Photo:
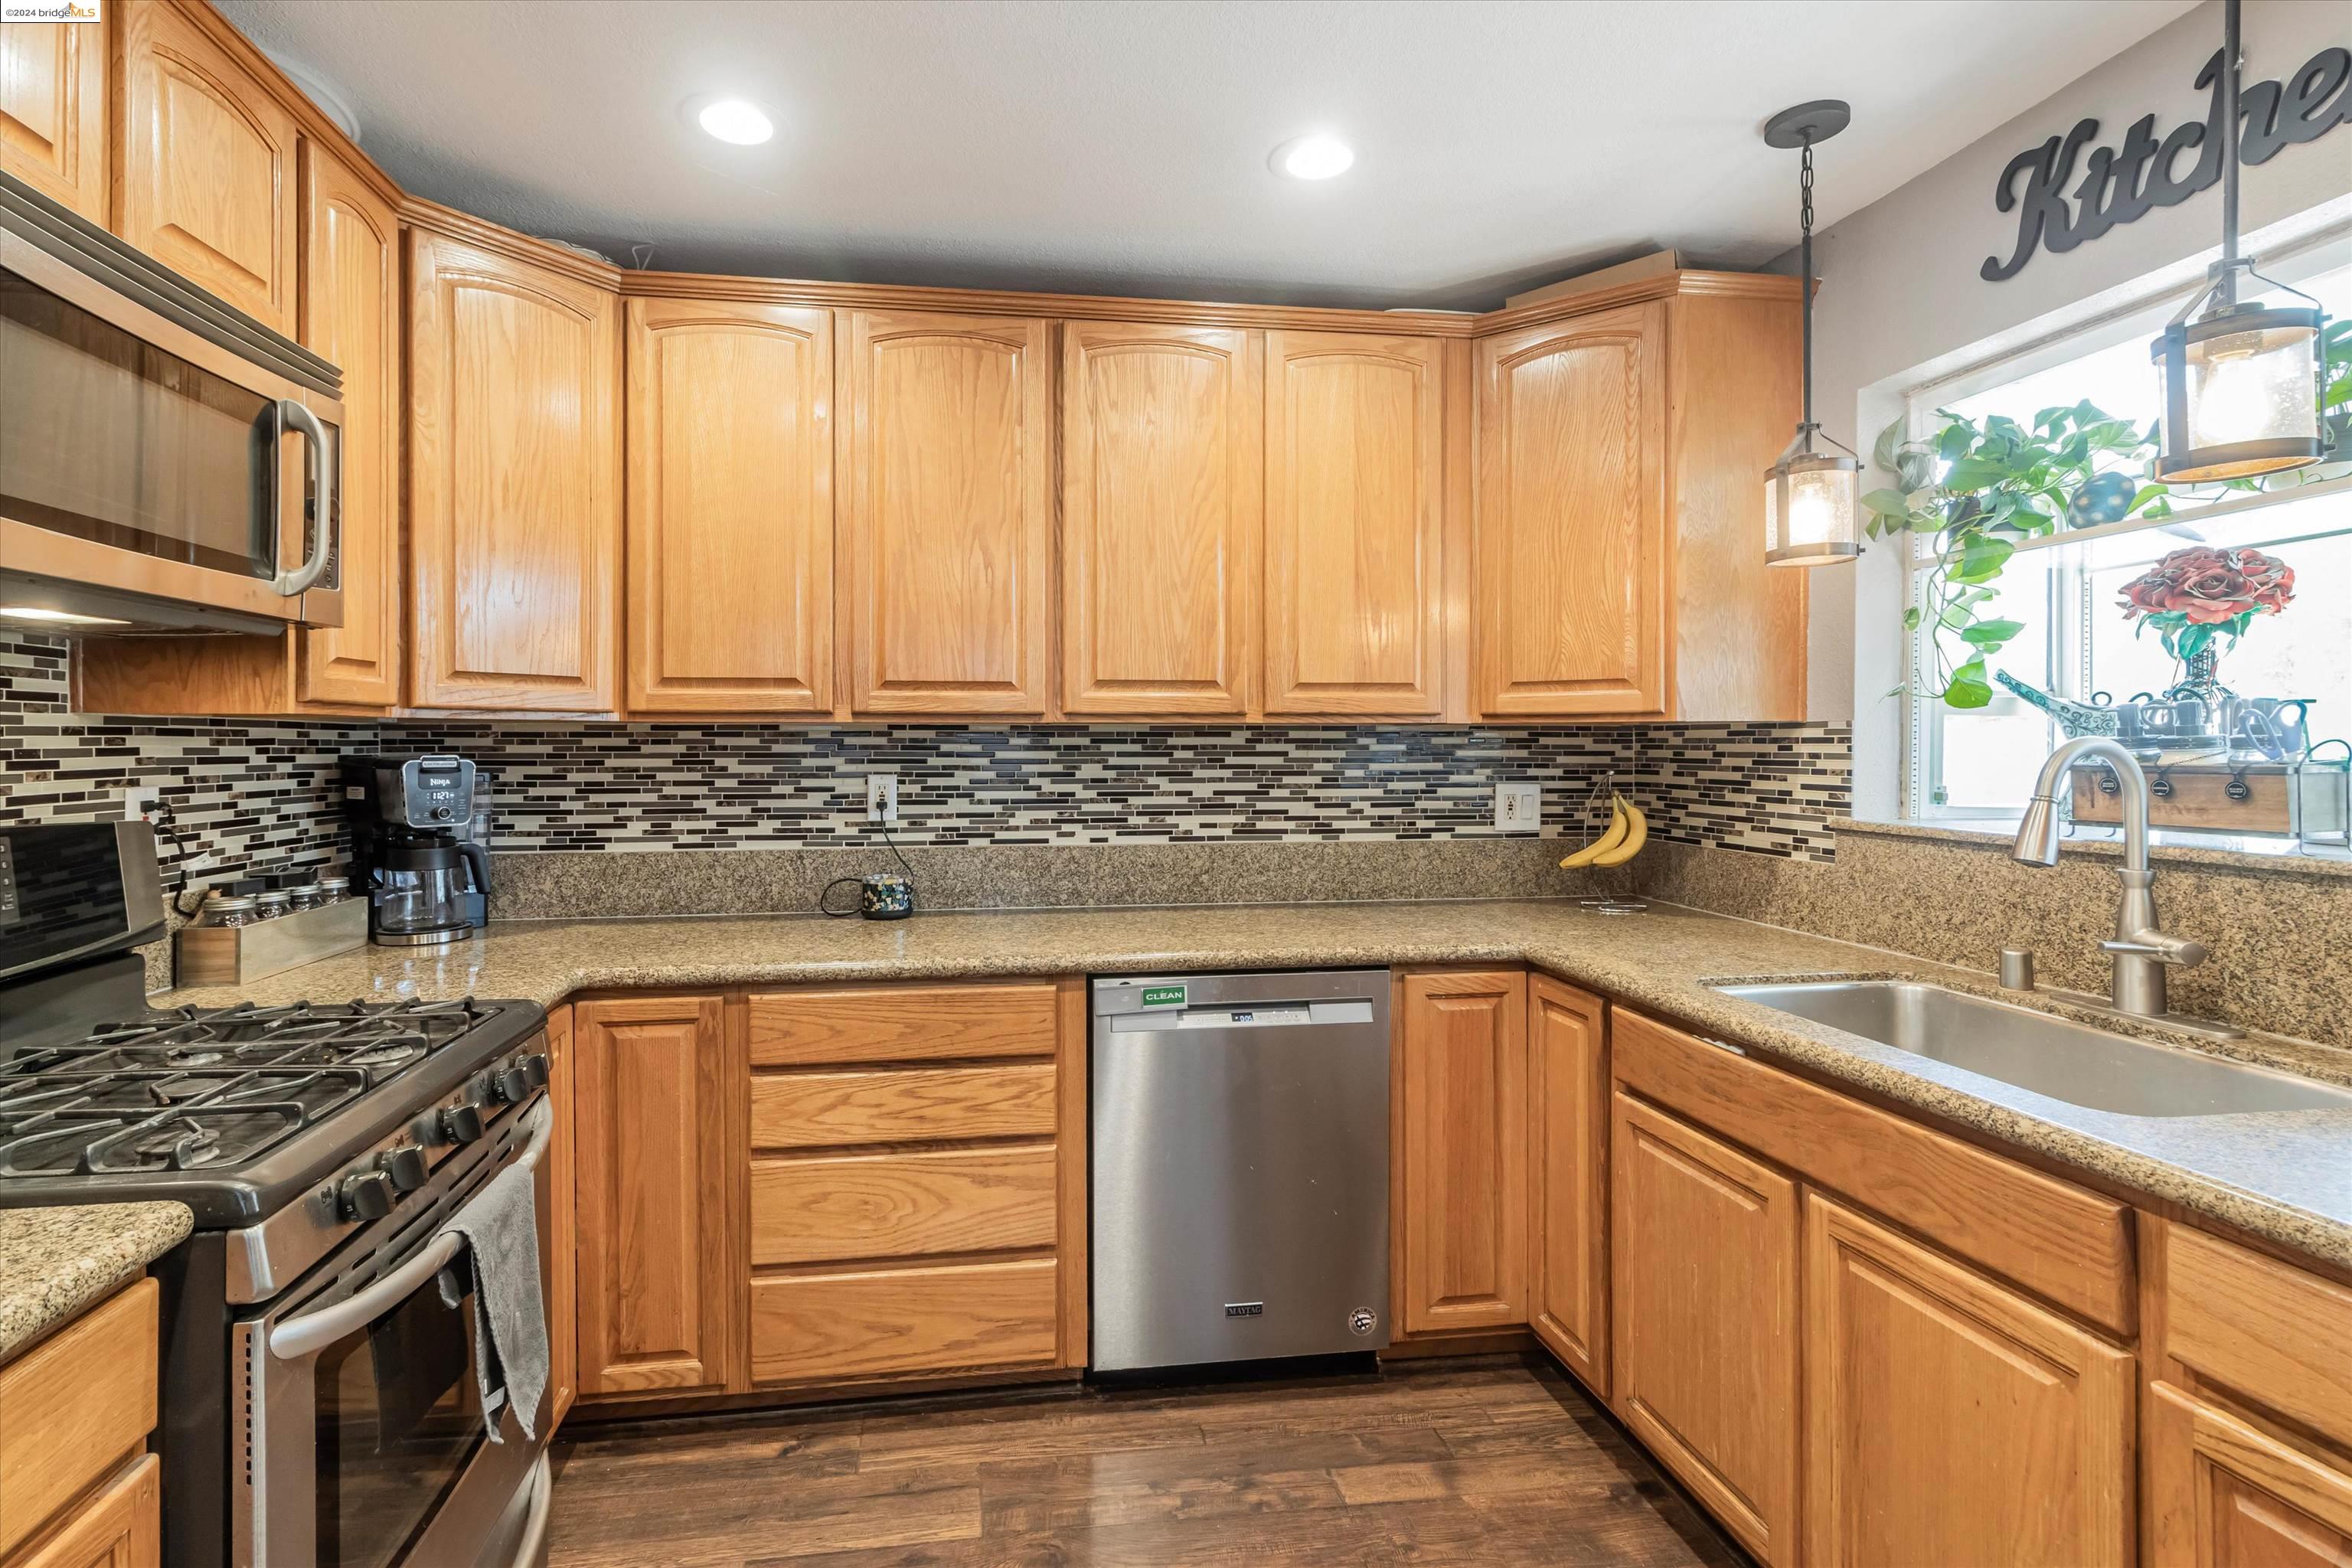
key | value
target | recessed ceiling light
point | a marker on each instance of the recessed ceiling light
(732, 120)
(1313, 157)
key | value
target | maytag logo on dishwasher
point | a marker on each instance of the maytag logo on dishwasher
(50, 10)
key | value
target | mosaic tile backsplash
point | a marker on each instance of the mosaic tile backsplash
(247, 791)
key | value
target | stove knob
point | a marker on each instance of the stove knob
(534, 1068)
(510, 1085)
(406, 1166)
(462, 1124)
(366, 1196)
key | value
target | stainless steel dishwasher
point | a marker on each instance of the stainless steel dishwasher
(1240, 1167)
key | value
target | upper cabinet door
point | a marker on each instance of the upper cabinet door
(1161, 491)
(946, 457)
(514, 483)
(1354, 490)
(730, 508)
(206, 183)
(1572, 517)
(53, 110)
(351, 314)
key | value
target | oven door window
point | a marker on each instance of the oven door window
(398, 1419)
(106, 438)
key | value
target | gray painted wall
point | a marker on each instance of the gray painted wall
(1901, 301)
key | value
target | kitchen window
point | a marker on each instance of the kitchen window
(1968, 767)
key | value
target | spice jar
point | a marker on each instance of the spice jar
(269, 906)
(334, 889)
(304, 895)
(228, 909)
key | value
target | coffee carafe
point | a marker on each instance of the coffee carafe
(414, 828)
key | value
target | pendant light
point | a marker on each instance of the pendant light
(2240, 385)
(1809, 496)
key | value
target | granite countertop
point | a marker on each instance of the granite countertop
(2286, 1175)
(53, 1262)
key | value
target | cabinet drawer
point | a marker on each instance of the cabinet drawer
(72, 1408)
(905, 1319)
(901, 1105)
(121, 1527)
(2068, 1245)
(901, 1205)
(902, 1022)
(2265, 1329)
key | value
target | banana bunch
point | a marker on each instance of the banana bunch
(1628, 830)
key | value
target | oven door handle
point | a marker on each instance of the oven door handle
(297, 1338)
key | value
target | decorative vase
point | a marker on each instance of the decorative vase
(2203, 678)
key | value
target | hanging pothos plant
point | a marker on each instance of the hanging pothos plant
(2000, 483)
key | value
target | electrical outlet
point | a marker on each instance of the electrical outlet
(1518, 809)
(881, 798)
(138, 804)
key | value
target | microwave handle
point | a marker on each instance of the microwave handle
(307, 1335)
(322, 476)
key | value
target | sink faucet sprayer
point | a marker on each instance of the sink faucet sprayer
(2140, 952)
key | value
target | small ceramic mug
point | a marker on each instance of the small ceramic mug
(885, 896)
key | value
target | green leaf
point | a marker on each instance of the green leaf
(1957, 438)
(1991, 635)
(1911, 619)
(1982, 559)
(1968, 688)
(1974, 473)
(1888, 503)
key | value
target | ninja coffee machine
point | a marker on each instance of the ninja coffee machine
(417, 825)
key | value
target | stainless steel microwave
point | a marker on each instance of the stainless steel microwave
(167, 463)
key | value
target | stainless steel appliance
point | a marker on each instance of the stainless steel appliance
(166, 461)
(319, 1406)
(414, 822)
(1240, 1167)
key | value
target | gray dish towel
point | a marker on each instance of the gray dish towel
(501, 1230)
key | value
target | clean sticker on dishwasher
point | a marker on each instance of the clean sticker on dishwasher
(1163, 995)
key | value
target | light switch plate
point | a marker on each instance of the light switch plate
(1518, 809)
(881, 798)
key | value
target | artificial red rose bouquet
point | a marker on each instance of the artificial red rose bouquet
(2192, 594)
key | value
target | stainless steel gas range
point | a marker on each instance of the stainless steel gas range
(319, 1399)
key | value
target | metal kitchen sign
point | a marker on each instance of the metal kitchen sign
(2121, 184)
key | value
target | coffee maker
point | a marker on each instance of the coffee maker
(418, 827)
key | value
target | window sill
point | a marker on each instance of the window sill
(2193, 850)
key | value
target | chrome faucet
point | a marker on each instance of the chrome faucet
(2139, 951)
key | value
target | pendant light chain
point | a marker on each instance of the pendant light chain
(2229, 52)
(1805, 266)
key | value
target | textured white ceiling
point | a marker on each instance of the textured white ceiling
(1119, 146)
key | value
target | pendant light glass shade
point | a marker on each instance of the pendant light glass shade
(2240, 393)
(1809, 509)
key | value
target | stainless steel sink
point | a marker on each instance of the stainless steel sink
(2053, 1056)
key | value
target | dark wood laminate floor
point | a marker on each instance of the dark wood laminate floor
(1497, 1462)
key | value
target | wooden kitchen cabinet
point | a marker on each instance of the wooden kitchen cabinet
(1355, 557)
(71, 1408)
(205, 177)
(2222, 1492)
(514, 482)
(1620, 514)
(1567, 1177)
(120, 1527)
(657, 1169)
(1162, 490)
(945, 462)
(1705, 1335)
(561, 1270)
(53, 112)
(1461, 1150)
(1951, 1419)
(730, 580)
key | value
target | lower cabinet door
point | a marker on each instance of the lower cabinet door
(657, 1164)
(2221, 1493)
(1568, 1169)
(121, 1527)
(1462, 1156)
(1705, 1245)
(1951, 1420)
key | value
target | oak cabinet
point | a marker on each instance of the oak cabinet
(513, 483)
(1462, 1157)
(2222, 1492)
(1161, 489)
(1567, 1177)
(1951, 1419)
(71, 1407)
(563, 1219)
(945, 457)
(1355, 557)
(120, 1527)
(205, 180)
(1704, 1319)
(653, 1109)
(53, 112)
(1620, 514)
(351, 314)
(731, 583)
